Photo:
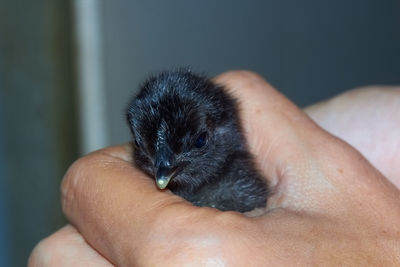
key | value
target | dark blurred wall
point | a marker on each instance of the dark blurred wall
(310, 50)
(4, 236)
(38, 121)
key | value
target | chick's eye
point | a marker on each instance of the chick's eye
(201, 140)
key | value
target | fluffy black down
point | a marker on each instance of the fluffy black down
(167, 118)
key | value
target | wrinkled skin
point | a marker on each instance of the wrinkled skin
(329, 206)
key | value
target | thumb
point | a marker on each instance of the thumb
(307, 168)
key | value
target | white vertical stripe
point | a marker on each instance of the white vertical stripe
(90, 64)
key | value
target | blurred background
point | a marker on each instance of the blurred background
(69, 68)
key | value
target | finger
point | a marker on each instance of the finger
(66, 247)
(308, 168)
(268, 118)
(119, 209)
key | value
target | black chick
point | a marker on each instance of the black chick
(188, 137)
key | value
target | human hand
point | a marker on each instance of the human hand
(329, 206)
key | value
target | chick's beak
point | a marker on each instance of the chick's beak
(166, 166)
(164, 174)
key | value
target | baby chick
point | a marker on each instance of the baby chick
(188, 137)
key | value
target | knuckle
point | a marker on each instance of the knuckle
(73, 178)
